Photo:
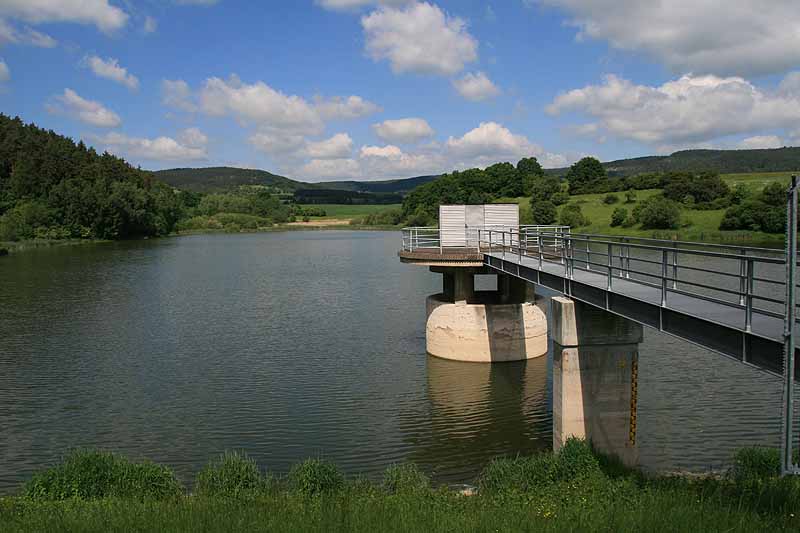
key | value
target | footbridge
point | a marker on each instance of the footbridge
(729, 299)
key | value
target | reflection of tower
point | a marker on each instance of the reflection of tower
(478, 412)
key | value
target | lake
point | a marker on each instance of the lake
(299, 344)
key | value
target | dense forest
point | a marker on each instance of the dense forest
(338, 196)
(220, 179)
(721, 161)
(51, 187)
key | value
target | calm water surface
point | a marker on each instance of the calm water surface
(298, 344)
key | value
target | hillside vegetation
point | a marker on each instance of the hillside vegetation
(220, 179)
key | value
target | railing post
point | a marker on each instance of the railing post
(787, 434)
(628, 260)
(675, 265)
(504, 246)
(519, 246)
(564, 257)
(588, 254)
(748, 309)
(539, 246)
(610, 266)
(663, 278)
(742, 276)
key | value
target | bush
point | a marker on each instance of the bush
(233, 475)
(572, 216)
(521, 474)
(560, 198)
(315, 476)
(405, 479)
(619, 216)
(704, 187)
(657, 213)
(774, 194)
(754, 215)
(89, 474)
(24, 220)
(610, 199)
(543, 212)
(576, 459)
(630, 196)
(755, 464)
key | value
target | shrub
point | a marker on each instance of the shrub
(576, 459)
(630, 196)
(520, 474)
(90, 474)
(404, 479)
(754, 215)
(543, 212)
(560, 198)
(610, 199)
(315, 476)
(22, 221)
(657, 213)
(703, 187)
(233, 474)
(572, 216)
(774, 194)
(755, 464)
(619, 216)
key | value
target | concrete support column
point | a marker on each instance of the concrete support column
(595, 359)
(463, 286)
(514, 290)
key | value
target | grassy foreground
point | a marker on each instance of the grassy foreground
(574, 490)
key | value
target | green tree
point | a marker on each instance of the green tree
(572, 216)
(587, 176)
(544, 188)
(657, 212)
(619, 216)
(543, 212)
(529, 170)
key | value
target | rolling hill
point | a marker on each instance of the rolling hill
(215, 179)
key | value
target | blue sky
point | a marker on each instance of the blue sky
(365, 89)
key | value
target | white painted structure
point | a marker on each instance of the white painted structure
(459, 224)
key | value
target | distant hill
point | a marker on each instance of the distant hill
(399, 186)
(722, 161)
(214, 179)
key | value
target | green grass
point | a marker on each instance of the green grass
(756, 180)
(696, 225)
(574, 490)
(349, 211)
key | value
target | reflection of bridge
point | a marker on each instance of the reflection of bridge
(729, 299)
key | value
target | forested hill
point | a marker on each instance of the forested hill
(721, 161)
(53, 188)
(217, 179)
(398, 186)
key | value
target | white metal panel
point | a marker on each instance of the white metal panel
(452, 225)
(474, 223)
(502, 216)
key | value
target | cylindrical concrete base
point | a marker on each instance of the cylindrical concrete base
(485, 332)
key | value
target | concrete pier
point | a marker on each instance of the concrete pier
(484, 326)
(595, 363)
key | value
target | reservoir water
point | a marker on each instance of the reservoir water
(303, 344)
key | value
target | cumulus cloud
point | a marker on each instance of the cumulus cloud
(748, 37)
(278, 145)
(487, 144)
(87, 111)
(476, 87)
(27, 36)
(99, 13)
(344, 5)
(193, 138)
(337, 147)
(150, 24)
(158, 149)
(110, 69)
(344, 108)
(297, 147)
(686, 111)
(404, 130)
(761, 141)
(420, 38)
(178, 95)
(5, 72)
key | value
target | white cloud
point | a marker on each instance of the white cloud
(193, 138)
(686, 111)
(337, 147)
(476, 87)
(29, 36)
(761, 141)
(150, 24)
(177, 94)
(320, 169)
(5, 72)
(388, 151)
(344, 108)
(87, 111)
(344, 5)
(491, 142)
(100, 13)
(420, 38)
(275, 144)
(404, 130)
(260, 104)
(158, 149)
(111, 70)
(745, 37)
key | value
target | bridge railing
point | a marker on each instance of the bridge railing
(748, 278)
(430, 238)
